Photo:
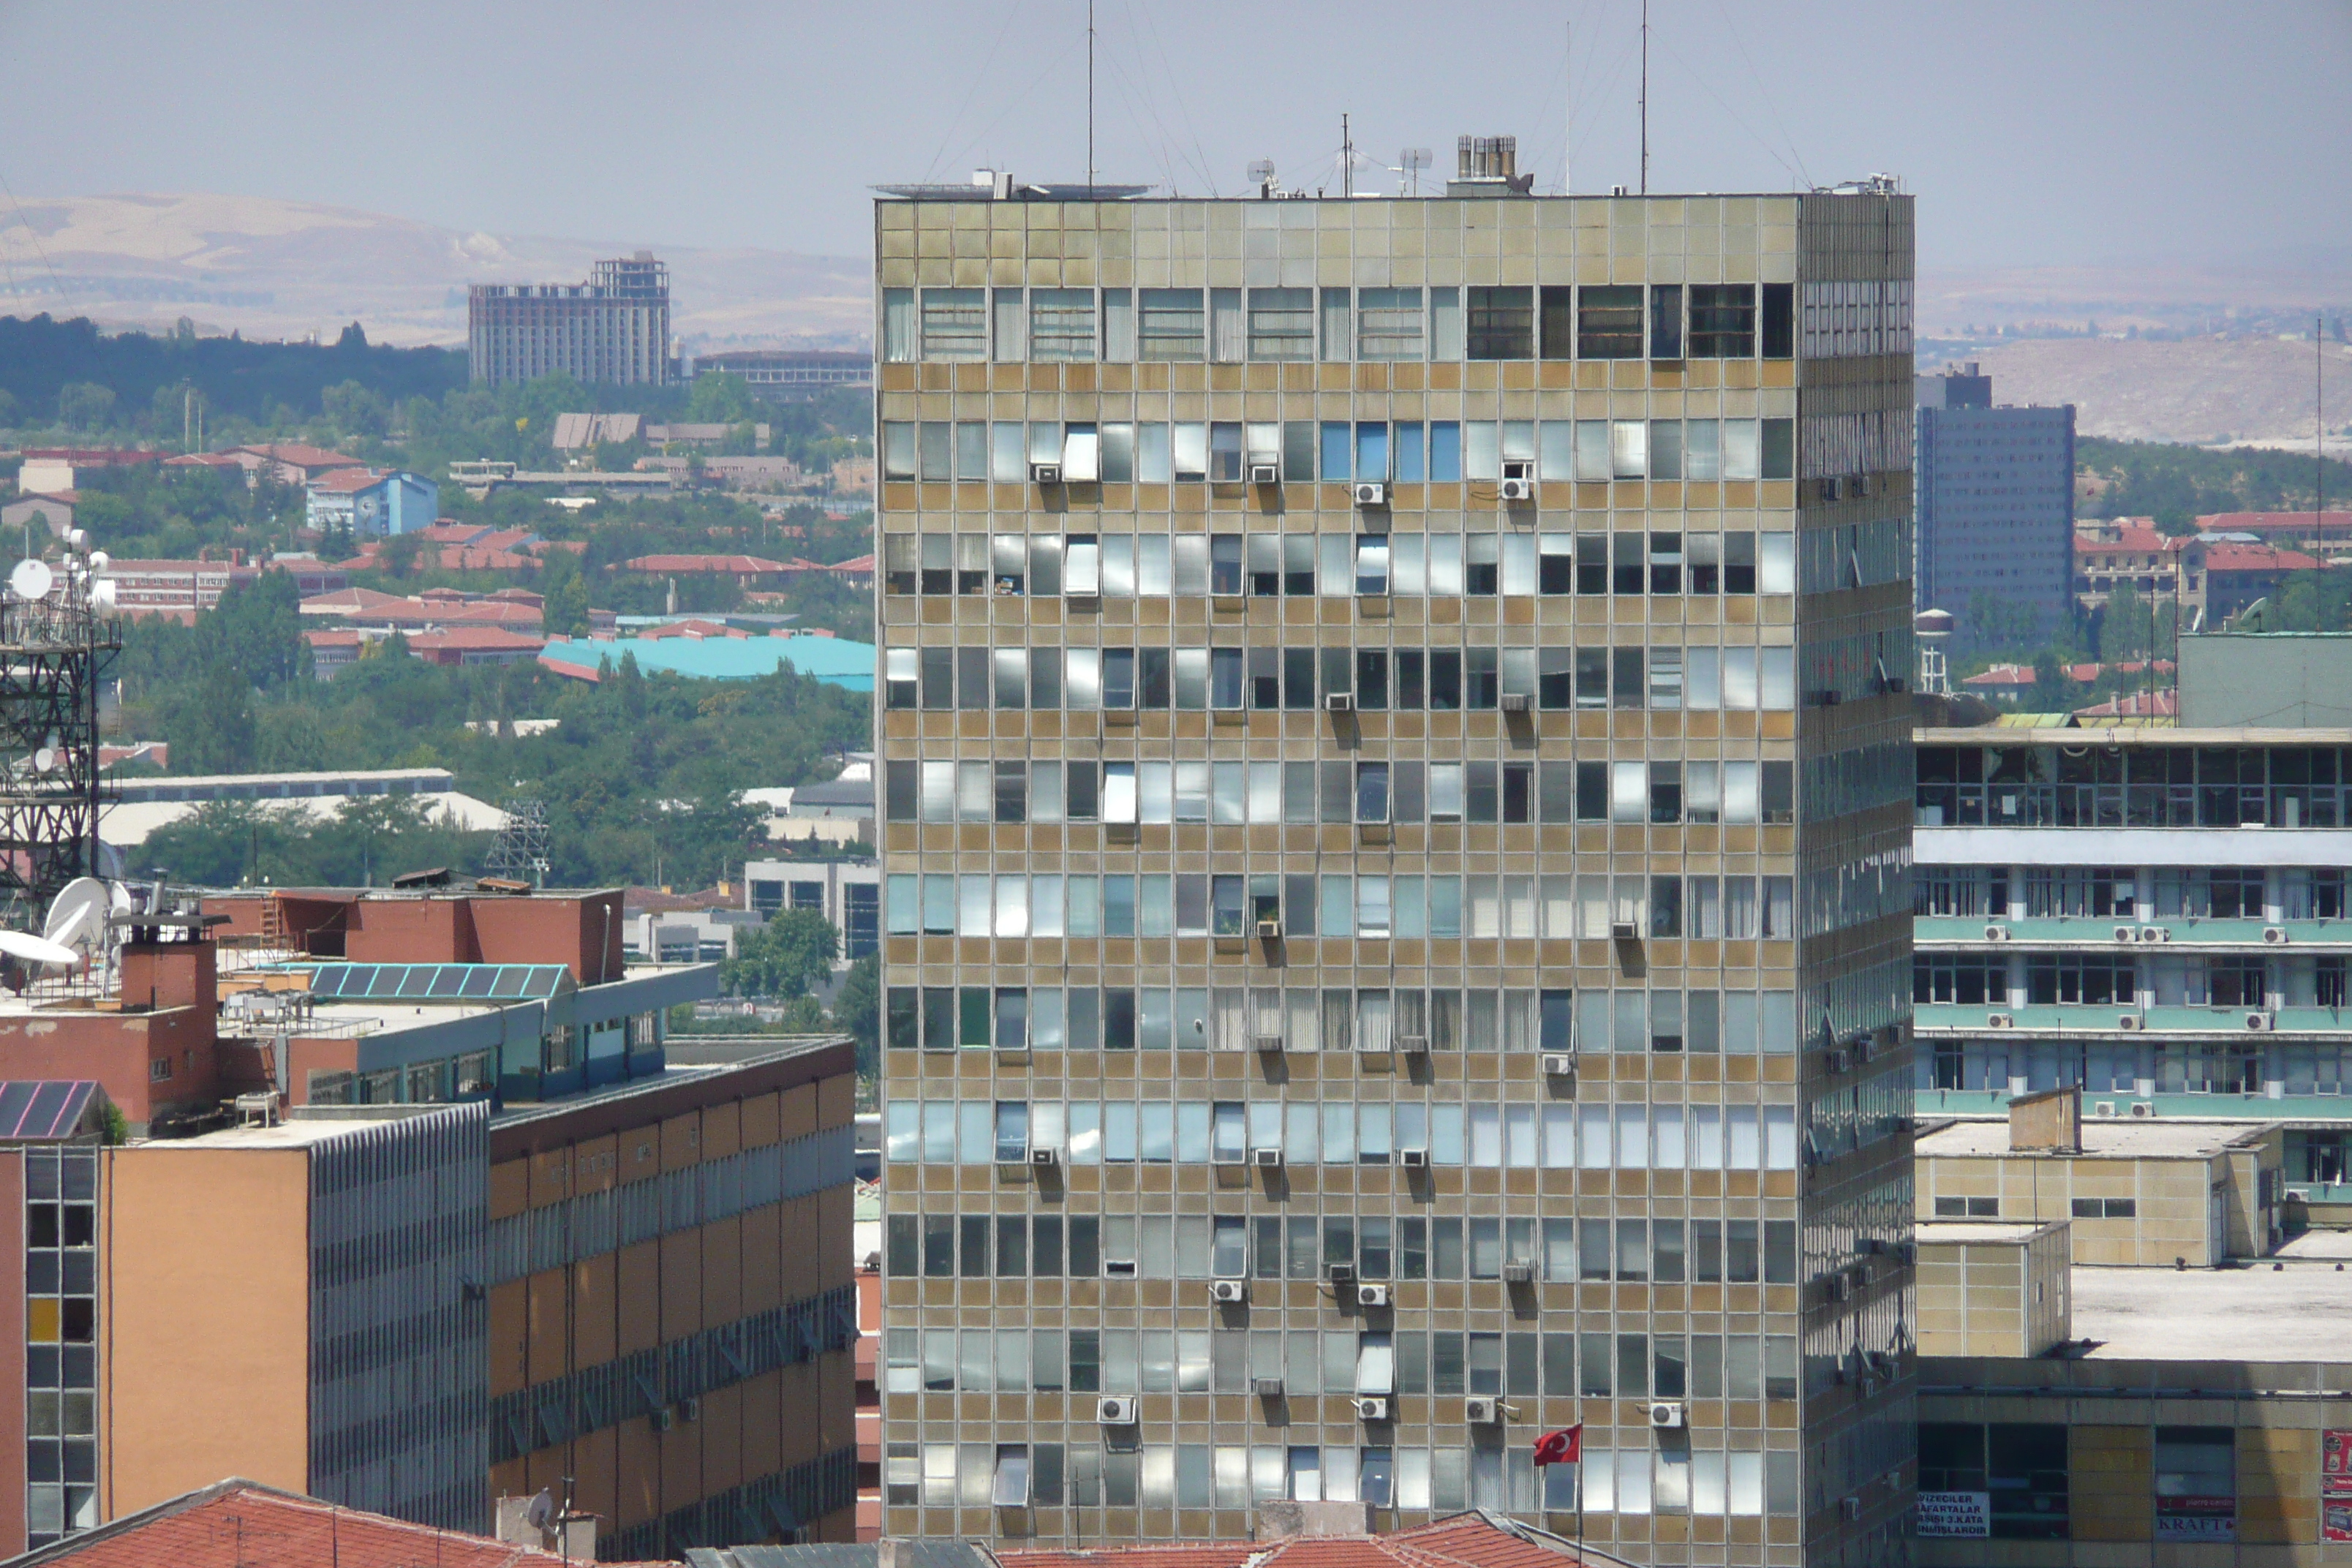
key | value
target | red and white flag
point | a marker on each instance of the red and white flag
(1562, 1447)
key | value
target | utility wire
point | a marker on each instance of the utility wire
(1160, 53)
(38, 249)
(1764, 90)
(1708, 87)
(971, 92)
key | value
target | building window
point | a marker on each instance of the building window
(1502, 323)
(1282, 324)
(2196, 1483)
(160, 1070)
(2006, 1481)
(1609, 323)
(955, 324)
(60, 1343)
(1172, 324)
(1062, 326)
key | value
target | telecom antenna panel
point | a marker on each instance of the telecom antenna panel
(520, 851)
(57, 635)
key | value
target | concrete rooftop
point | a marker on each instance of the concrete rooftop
(2159, 1138)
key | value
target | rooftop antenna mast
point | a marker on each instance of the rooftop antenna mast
(1090, 92)
(1645, 96)
(1347, 158)
(2318, 427)
(1566, 104)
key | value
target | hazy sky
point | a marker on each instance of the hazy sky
(2032, 133)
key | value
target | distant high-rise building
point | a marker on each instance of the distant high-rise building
(1993, 498)
(1393, 740)
(614, 329)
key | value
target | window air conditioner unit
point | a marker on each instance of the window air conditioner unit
(1518, 702)
(1267, 1159)
(2275, 935)
(1850, 1508)
(1117, 1412)
(2128, 1022)
(1834, 1287)
(1414, 1159)
(1266, 1387)
(1414, 1045)
(2124, 933)
(1859, 1048)
(1372, 1296)
(1666, 1416)
(1518, 1273)
(689, 1410)
(1625, 931)
(1999, 1021)
(1517, 468)
(1339, 703)
(1560, 1063)
(662, 1419)
(1341, 1273)
(1371, 493)
(1515, 490)
(1045, 473)
(1045, 1158)
(1118, 1267)
(1229, 1292)
(2258, 1021)
(1271, 1044)
(2103, 1107)
(1483, 1412)
(1265, 474)
(1834, 1061)
(1996, 933)
(1270, 927)
(2142, 1109)
(1371, 1410)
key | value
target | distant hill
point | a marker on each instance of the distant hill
(289, 269)
(2197, 391)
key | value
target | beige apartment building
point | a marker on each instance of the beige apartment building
(1396, 824)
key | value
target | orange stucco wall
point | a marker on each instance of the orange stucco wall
(204, 1341)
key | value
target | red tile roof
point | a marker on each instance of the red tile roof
(242, 1524)
(342, 482)
(1475, 1540)
(2002, 675)
(2128, 541)
(2299, 523)
(2223, 556)
(733, 565)
(296, 454)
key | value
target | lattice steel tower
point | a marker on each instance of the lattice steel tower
(56, 636)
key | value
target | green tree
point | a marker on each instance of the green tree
(564, 612)
(858, 1008)
(720, 398)
(2127, 628)
(214, 730)
(783, 958)
(85, 406)
(355, 410)
(2052, 692)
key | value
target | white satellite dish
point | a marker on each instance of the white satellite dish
(32, 579)
(100, 561)
(101, 592)
(78, 916)
(44, 760)
(37, 950)
(541, 1511)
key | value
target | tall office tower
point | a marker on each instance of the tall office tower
(614, 328)
(1397, 925)
(1994, 501)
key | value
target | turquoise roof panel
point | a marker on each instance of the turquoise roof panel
(837, 661)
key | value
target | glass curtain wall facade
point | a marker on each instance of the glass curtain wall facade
(1396, 855)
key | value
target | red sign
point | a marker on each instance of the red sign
(2335, 1485)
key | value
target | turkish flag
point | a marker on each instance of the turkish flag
(1561, 1447)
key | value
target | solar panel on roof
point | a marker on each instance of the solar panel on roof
(41, 1115)
(512, 977)
(479, 978)
(14, 1098)
(544, 978)
(387, 980)
(448, 977)
(419, 981)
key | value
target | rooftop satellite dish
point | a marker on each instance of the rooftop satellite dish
(78, 916)
(44, 760)
(37, 950)
(77, 537)
(541, 1511)
(1261, 172)
(1413, 159)
(101, 594)
(100, 561)
(32, 579)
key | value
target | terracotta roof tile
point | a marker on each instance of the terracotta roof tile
(241, 1525)
(1474, 1540)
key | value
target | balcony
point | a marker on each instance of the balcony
(2196, 933)
(2099, 1020)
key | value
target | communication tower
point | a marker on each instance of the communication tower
(57, 635)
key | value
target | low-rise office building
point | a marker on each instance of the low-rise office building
(2156, 914)
(2188, 1418)
(476, 1229)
